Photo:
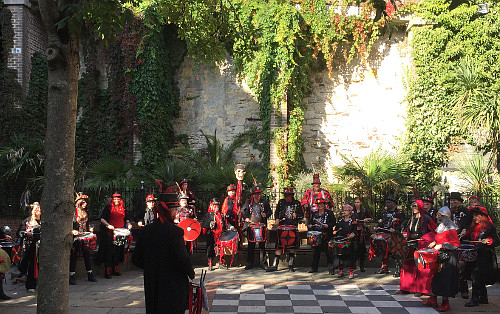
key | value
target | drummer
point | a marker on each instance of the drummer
(312, 195)
(256, 210)
(149, 215)
(445, 282)
(361, 217)
(346, 229)
(80, 225)
(213, 226)
(323, 220)
(29, 230)
(485, 238)
(392, 220)
(462, 217)
(474, 202)
(420, 226)
(113, 216)
(288, 212)
(185, 211)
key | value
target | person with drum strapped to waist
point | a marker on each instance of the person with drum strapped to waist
(445, 281)
(323, 221)
(287, 213)
(113, 216)
(392, 220)
(482, 234)
(419, 233)
(344, 234)
(256, 210)
(30, 233)
(80, 226)
(213, 226)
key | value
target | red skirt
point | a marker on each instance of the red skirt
(412, 279)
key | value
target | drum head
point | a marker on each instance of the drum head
(4, 261)
(192, 229)
(228, 235)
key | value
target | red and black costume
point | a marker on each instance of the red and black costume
(445, 281)
(316, 222)
(29, 231)
(391, 220)
(363, 234)
(80, 224)
(213, 226)
(253, 210)
(482, 270)
(412, 279)
(110, 254)
(345, 255)
(160, 251)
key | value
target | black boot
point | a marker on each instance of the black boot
(274, 267)
(91, 277)
(331, 269)
(362, 265)
(3, 296)
(291, 262)
(72, 280)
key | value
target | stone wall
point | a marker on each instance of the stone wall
(213, 100)
(354, 111)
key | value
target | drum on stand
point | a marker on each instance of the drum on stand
(467, 252)
(340, 245)
(257, 232)
(380, 243)
(288, 237)
(120, 236)
(314, 238)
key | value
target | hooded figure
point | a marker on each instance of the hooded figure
(162, 254)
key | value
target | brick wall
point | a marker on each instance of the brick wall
(29, 37)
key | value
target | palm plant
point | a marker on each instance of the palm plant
(477, 109)
(378, 173)
(23, 156)
(476, 172)
(110, 173)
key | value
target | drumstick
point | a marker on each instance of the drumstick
(384, 229)
(470, 241)
(415, 240)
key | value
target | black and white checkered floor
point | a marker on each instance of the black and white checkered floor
(305, 298)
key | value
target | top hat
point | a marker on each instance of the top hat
(231, 187)
(288, 190)
(256, 190)
(81, 196)
(316, 179)
(391, 198)
(150, 198)
(456, 196)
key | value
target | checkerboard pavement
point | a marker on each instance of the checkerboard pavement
(314, 298)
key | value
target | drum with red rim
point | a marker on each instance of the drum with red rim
(426, 259)
(380, 243)
(228, 243)
(88, 241)
(257, 232)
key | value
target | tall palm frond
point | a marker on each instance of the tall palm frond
(467, 80)
(476, 171)
(23, 155)
(108, 173)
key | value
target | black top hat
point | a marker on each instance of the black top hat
(456, 196)
(256, 190)
(391, 198)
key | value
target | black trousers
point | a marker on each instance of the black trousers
(251, 252)
(210, 245)
(73, 257)
(31, 264)
(323, 247)
(360, 254)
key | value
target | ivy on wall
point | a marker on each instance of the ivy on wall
(432, 126)
(153, 83)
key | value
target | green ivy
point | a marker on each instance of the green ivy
(154, 85)
(431, 119)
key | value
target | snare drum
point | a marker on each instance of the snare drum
(380, 243)
(341, 245)
(257, 232)
(120, 236)
(426, 259)
(88, 241)
(314, 238)
(228, 243)
(288, 236)
(467, 252)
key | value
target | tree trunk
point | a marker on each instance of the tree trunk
(57, 198)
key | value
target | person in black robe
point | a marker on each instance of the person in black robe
(363, 233)
(161, 252)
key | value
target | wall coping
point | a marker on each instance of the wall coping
(17, 2)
